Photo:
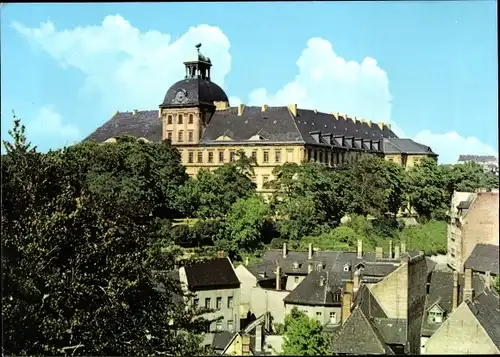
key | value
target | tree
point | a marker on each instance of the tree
(468, 177)
(304, 336)
(79, 259)
(427, 189)
(431, 237)
(246, 222)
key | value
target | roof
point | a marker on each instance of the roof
(211, 274)
(392, 330)
(378, 269)
(395, 145)
(311, 292)
(195, 91)
(359, 336)
(477, 158)
(441, 293)
(140, 124)
(483, 258)
(486, 308)
(263, 271)
(222, 339)
(461, 200)
(365, 300)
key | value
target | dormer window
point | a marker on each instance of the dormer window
(319, 267)
(347, 267)
(435, 317)
(336, 297)
(295, 265)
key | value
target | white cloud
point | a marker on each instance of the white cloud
(48, 124)
(129, 68)
(450, 145)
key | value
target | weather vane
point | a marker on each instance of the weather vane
(198, 46)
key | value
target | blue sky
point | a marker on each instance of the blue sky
(429, 68)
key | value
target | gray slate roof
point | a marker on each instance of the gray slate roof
(486, 308)
(221, 340)
(263, 271)
(396, 145)
(477, 158)
(310, 291)
(483, 258)
(197, 91)
(359, 336)
(393, 331)
(365, 300)
(211, 274)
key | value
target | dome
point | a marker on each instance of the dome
(194, 91)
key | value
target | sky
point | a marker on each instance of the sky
(428, 68)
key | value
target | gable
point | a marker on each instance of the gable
(436, 309)
(392, 293)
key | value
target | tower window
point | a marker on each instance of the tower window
(277, 156)
(180, 136)
(232, 156)
(266, 156)
(200, 156)
(190, 136)
(190, 120)
(210, 157)
(190, 157)
(169, 119)
(221, 156)
(179, 121)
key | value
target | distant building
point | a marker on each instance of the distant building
(488, 162)
(472, 219)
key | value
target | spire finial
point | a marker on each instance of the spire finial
(198, 47)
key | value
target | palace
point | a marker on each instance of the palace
(198, 119)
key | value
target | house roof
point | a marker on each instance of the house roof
(477, 158)
(211, 274)
(359, 336)
(311, 292)
(378, 269)
(393, 331)
(263, 271)
(395, 145)
(486, 309)
(441, 293)
(222, 339)
(483, 258)
(197, 91)
(365, 300)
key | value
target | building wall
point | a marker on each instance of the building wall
(312, 311)
(292, 281)
(248, 282)
(229, 314)
(269, 300)
(392, 293)
(407, 161)
(417, 282)
(236, 347)
(461, 333)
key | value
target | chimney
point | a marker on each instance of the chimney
(134, 111)
(293, 109)
(487, 278)
(390, 248)
(378, 253)
(381, 125)
(360, 249)
(388, 125)
(246, 261)
(310, 268)
(403, 247)
(264, 107)
(468, 291)
(278, 277)
(220, 254)
(356, 281)
(310, 255)
(346, 306)
(284, 250)
(455, 291)
(396, 252)
(258, 338)
(349, 287)
(245, 345)
(241, 107)
(336, 115)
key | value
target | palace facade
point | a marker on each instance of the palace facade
(197, 117)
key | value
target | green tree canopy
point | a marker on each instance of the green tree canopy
(80, 251)
(304, 336)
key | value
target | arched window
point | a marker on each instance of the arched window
(180, 137)
(190, 120)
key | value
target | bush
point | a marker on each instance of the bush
(430, 237)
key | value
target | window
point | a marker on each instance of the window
(190, 136)
(230, 325)
(196, 302)
(333, 318)
(435, 317)
(218, 303)
(190, 157)
(179, 121)
(321, 156)
(318, 315)
(208, 303)
(265, 179)
(254, 155)
(232, 156)
(169, 135)
(315, 155)
(169, 119)
(336, 297)
(218, 325)
(210, 157)
(277, 156)
(199, 156)
(289, 156)
(190, 120)
(229, 302)
(347, 267)
(296, 280)
(221, 156)
(266, 156)
(180, 136)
